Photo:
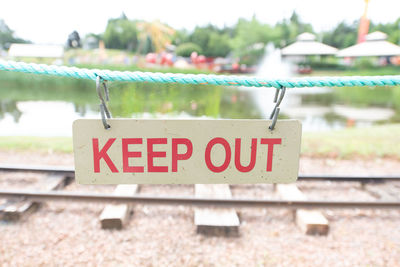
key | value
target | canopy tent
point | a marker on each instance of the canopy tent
(307, 46)
(375, 45)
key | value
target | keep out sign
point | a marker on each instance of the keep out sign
(186, 151)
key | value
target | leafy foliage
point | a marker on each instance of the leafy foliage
(121, 33)
(7, 36)
(244, 41)
(247, 35)
(288, 30)
(186, 49)
(342, 36)
(391, 29)
(213, 41)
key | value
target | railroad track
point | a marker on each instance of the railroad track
(211, 202)
(70, 172)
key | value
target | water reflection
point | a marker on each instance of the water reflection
(195, 101)
(40, 105)
(322, 108)
(51, 109)
(10, 107)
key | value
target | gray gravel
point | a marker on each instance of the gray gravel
(69, 234)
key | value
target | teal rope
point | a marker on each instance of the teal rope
(155, 77)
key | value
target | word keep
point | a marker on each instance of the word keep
(155, 152)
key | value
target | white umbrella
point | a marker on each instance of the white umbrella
(375, 45)
(307, 46)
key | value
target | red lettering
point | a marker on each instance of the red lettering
(238, 165)
(155, 154)
(176, 156)
(270, 142)
(102, 154)
(131, 154)
(225, 144)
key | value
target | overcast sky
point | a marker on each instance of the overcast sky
(50, 21)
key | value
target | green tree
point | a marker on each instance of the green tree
(250, 37)
(218, 45)
(7, 36)
(213, 41)
(121, 33)
(391, 29)
(288, 30)
(180, 37)
(201, 36)
(342, 36)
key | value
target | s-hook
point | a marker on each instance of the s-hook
(104, 112)
(279, 94)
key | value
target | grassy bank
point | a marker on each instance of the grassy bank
(352, 71)
(34, 143)
(377, 141)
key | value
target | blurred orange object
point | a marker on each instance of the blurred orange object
(350, 123)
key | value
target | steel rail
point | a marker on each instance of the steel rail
(186, 201)
(69, 171)
(37, 168)
(349, 178)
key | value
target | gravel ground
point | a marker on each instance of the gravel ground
(69, 234)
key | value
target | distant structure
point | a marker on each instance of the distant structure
(74, 40)
(375, 45)
(363, 28)
(90, 42)
(36, 51)
(307, 46)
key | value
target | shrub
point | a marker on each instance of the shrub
(186, 49)
(364, 63)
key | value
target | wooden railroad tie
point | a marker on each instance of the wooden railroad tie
(310, 222)
(15, 209)
(114, 216)
(215, 221)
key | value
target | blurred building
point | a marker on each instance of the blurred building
(306, 45)
(22, 51)
(375, 45)
(90, 43)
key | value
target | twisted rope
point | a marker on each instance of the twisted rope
(156, 77)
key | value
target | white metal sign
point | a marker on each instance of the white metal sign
(186, 151)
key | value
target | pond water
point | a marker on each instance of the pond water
(322, 108)
(47, 106)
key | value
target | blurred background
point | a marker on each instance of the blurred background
(347, 131)
(279, 40)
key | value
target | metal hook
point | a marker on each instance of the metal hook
(104, 112)
(275, 111)
(106, 91)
